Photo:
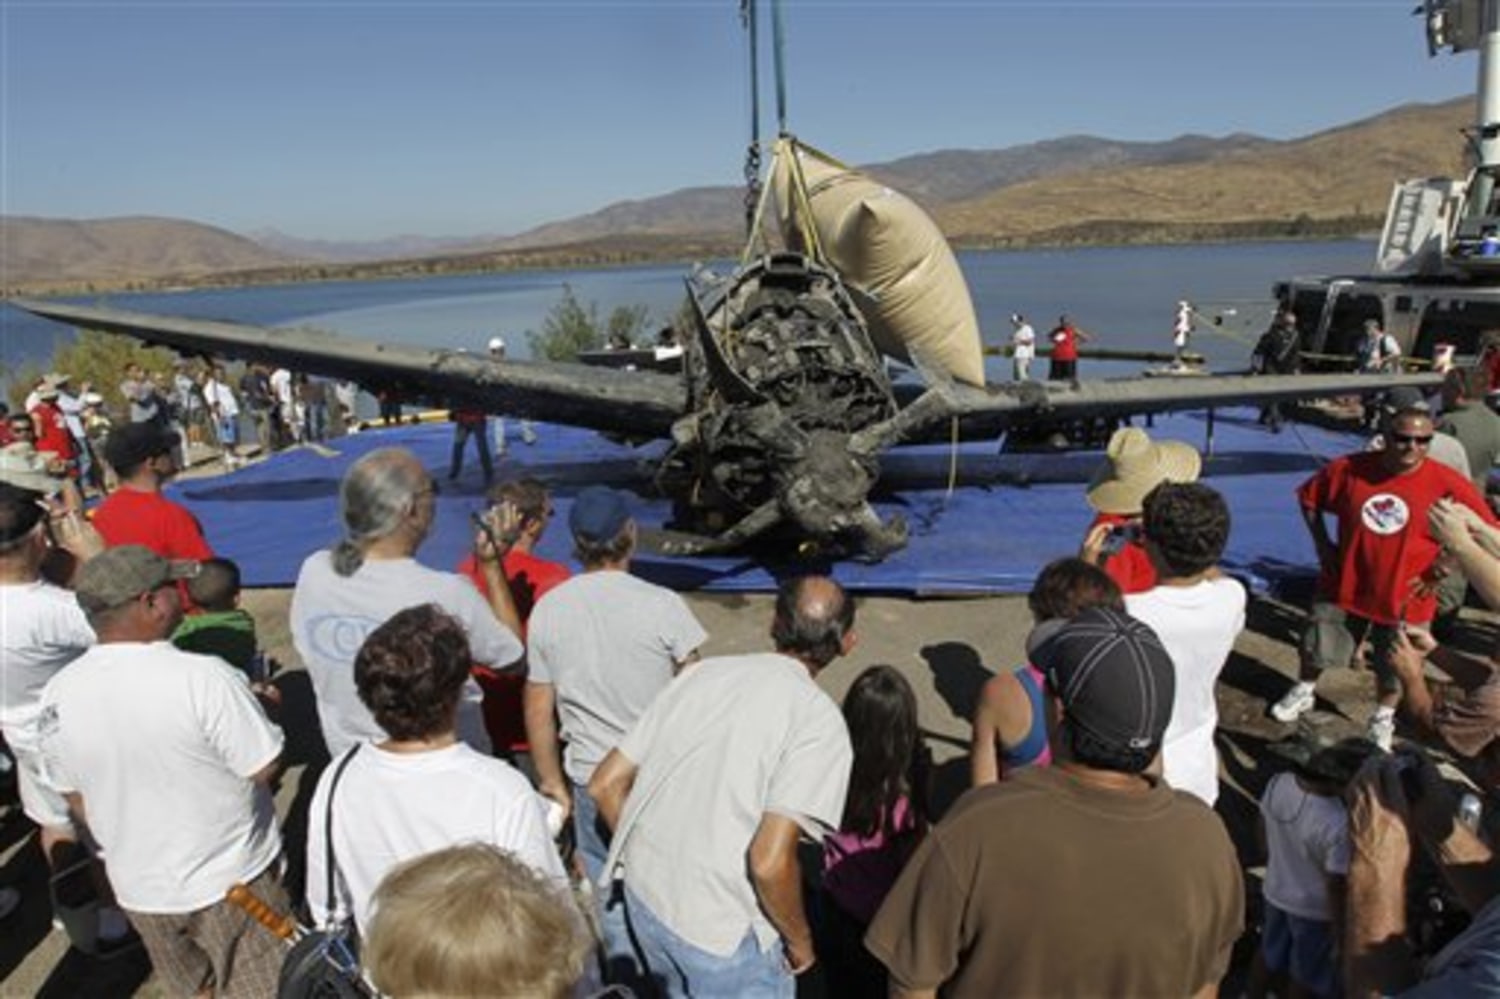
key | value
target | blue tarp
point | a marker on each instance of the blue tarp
(1009, 515)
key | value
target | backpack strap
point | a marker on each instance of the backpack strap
(329, 860)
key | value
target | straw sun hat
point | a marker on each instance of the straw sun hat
(1135, 465)
(22, 467)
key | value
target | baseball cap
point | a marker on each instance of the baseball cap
(20, 510)
(1404, 397)
(598, 514)
(130, 445)
(496, 343)
(1321, 756)
(1113, 676)
(117, 576)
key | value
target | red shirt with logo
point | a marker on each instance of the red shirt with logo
(529, 578)
(1384, 545)
(132, 517)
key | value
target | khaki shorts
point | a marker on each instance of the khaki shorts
(219, 946)
(1333, 635)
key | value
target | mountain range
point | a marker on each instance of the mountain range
(1068, 190)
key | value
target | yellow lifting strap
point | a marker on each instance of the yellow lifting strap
(787, 150)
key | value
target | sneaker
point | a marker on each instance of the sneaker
(113, 925)
(1295, 703)
(1381, 729)
(528, 435)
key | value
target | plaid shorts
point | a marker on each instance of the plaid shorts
(219, 946)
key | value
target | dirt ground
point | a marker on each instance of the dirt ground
(947, 648)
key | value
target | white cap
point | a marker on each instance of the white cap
(496, 343)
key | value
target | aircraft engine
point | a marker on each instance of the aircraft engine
(781, 375)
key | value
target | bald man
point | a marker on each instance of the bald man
(734, 762)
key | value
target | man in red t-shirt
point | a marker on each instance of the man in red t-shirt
(530, 577)
(1134, 465)
(1376, 579)
(52, 434)
(470, 423)
(143, 456)
(1065, 338)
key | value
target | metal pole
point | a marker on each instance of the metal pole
(1489, 83)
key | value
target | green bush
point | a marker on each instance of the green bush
(96, 358)
(571, 328)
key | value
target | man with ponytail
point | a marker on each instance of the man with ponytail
(387, 503)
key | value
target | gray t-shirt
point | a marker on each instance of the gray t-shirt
(732, 739)
(142, 399)
(608, 643)
(332, 615)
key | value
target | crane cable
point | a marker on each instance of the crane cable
(752, 151)
(784, 153)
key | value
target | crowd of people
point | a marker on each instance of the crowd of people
(537, 784)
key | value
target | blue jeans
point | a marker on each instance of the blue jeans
(1303, 948)
(682, 971)
(620, 964)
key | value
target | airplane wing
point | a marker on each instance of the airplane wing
(987, 412)
(645, 403)
(639, 404)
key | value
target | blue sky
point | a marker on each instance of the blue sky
(361, 120)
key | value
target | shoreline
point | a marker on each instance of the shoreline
(711, 248)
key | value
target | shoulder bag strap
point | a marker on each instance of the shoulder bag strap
(330, 861)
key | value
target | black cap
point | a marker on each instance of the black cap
(134, 443)
(20, 510)
(1113, 676)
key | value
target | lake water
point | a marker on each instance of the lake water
(1123, 295)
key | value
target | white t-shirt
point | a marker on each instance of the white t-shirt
(391, 807)
(281, 386)
(1198, 625)
(217, 394)
(42, 629)
(728, 741)
(1024, 342)
(331, 615)
(1182, 326)
(162, 744)
(1307, 839)
(608, 643)
(72, 411)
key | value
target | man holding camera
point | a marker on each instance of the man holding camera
(1395, 804)
(1134, 465)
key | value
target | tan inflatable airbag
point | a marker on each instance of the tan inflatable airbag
(914, 296)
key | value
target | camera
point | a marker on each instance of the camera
(1119, 536)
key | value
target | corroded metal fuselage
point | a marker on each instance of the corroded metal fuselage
(781, 376)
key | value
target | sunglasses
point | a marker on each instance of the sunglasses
(1421, 440)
